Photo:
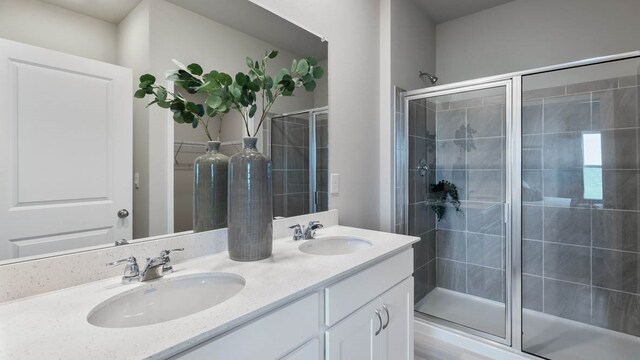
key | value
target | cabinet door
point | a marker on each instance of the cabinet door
(397, 343)
(354, 338)
(309, 351)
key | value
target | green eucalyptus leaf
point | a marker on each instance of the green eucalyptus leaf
(214, 101)
(211, 112)
(145, 84)
(269, 95)
(194, 124)
(148, 78)
(224, 79)
(303, 67)
(252, 110)
(140, 93)
(177, 117)
(177, 105)
(294, 65)
(188, 117)
(267, 83)
(195, 69)
(164, 104)
(153, 102)
(179, 64)
(161, 94)
(249, 62)
(200, 110)
(318, 72)
(312, 61)
(273, 54)
(310, 85)
(253, 86)
(192, 107)
(241, 79)
(280, 75)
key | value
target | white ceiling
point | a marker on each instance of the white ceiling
(253, 20)
(112, 11)
(445, 10)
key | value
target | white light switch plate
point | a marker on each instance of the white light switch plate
(335, 184)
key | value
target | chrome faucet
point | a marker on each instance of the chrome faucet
(156, 267)
(307, 233)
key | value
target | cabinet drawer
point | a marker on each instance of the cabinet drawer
(346, 296)
(269, 337)
(309, 351)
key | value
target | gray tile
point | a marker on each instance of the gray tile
(531, 158)
(631, 80)
(485, 282)
(323, 180)
(279, 181)
(277, 132)
(417, 119)
(431, 125)
(485, 250)
(615, 108)
(419, 151)
(616, 229)
(567, 300)
(485, 218)
(459, 104)
(296, 181)
(531, 293)
(487, 121)
(532, 142)
(420, 282)
(532, 257)
(531, 186)
(592, 86)
(564, 188)
(451, 245)
(418, 218)
(619, 149)
(456, 177)
(296, 158)
(486, 185)
(452, 219)
(297, 204)
(615, 270)
(567, 262)
(278, 157)
(616, 311)
(451, 275)
(563, 151)
(297, 135)
(529, 94)
(567, 113)
(280, 205)
(417, 187)
(448, 124)
(322, 159)
(532, 117)
(451, 154)
(620, 189)
(532, 222)
(425, 249)
(486, 154)
(496, 99)
(322, 136)
(567, 225)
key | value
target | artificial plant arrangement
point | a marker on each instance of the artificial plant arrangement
(444, 192)
(224, 93)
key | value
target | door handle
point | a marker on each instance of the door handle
(379, 319)
(123, 213)
(388, 316)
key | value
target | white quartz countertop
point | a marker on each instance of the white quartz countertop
(54, 325)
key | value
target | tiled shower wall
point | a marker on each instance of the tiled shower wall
(581, 252)
(462, 142)
(322, 162)
(290, 161)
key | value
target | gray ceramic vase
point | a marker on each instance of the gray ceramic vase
(250, 233)
(210, 189)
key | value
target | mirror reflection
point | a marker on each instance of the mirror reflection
(87, 165)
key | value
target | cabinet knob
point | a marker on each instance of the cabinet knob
(388, 316)
(379, 319)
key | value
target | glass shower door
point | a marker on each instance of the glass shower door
(580, 212)
(457, 196)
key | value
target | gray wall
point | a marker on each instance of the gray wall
(525, 34)
(581, 254)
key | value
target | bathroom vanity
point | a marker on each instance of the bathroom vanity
(349, 298)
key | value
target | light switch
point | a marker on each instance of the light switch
(335, 184)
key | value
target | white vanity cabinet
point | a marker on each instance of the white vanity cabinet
(383, 327)
(368, 315)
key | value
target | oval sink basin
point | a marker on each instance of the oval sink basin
(166, 300)
(335, 245)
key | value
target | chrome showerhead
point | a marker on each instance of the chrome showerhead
(433, 79)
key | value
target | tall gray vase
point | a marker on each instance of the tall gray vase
(250, 232)
(210, 189)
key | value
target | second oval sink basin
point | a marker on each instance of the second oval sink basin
(335, 245)
(166, 300)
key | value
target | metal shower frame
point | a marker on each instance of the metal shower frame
(512, 82)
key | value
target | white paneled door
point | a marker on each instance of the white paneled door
(65, 151)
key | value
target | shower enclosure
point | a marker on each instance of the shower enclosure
(525, 192)
(298, 144)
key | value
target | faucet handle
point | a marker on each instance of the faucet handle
(164, 254)
(131, 270)
(297, 232)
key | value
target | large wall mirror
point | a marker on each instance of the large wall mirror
(88, 166)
